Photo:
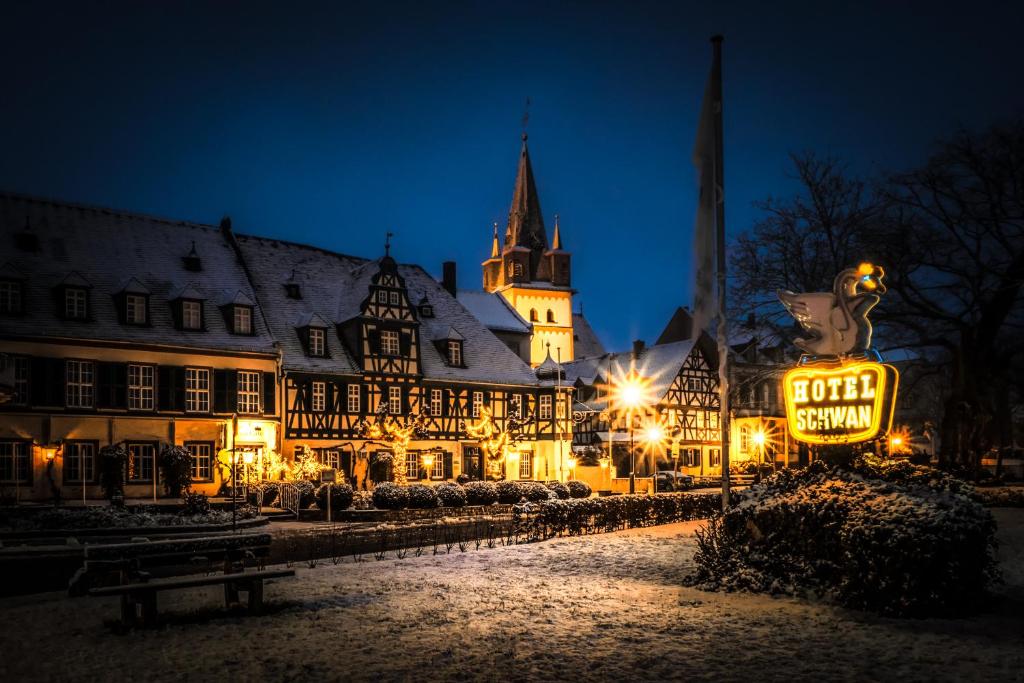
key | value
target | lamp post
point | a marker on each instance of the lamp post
(759, 441)
(654, 435)
(571, 463)
(629, 393)
(427, 459)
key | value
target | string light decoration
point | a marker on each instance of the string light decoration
(385, 430)
(495, 443)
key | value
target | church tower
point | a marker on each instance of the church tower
(534, 278)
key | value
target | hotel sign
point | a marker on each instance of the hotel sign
(840, 403)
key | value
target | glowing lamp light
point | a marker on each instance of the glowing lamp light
(571, 462)
(50, 452)
(759, 438)
(654, 434)
(247, 457)
(428, 461)
(604, 462)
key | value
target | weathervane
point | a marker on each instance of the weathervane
(387, 243)
(526, 116)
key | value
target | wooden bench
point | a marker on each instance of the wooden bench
(131, 562)
(140, 597)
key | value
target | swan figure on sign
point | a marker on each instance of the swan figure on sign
(837, 321)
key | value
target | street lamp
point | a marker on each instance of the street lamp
(654, 437)
(571, 463)
(428, 464)
(630, 393)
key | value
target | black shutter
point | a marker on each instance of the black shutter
(178, 387)
(269, 394)
(404, 342)
(37, 377)
(56, 382)
(105, 385)
(364, 399)
(120, 304)
(220, 390)
(303, 333)
(165, 387)
(176, 313)
(448, 470)
(119, 386)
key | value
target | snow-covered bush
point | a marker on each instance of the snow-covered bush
(914, 548)
(112, 462)
(450, 495)
(579, 489)
(269, 489)
(1000, 497)
(560, 489)
(509, 492)
(341, 496)
(307, 492)
(389, 496)
(534, 491)
(578, 515)
(195, 503)
(481, 492)
(175, 469)
(362, 500)
(421, 496)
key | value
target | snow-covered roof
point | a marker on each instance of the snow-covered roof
(494, 311)
(660, 364)
(111, 252)
(585, 342)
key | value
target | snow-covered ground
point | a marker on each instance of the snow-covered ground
(607, 607)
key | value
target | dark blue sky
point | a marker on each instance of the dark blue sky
(333, 123)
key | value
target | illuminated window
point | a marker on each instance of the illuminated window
(716, 457)
(526, 465)
(395, 400)
(435, 402)
(412, 466)
(437, 471)
(140, 387)
(135, 309)
(141, 459)
(316, 341)
(15, 462)
(454, 352)
(744, 439)
(319, 396)
(75, 303)
(515, 405)
(562, 404)
(10, 296)
(79, 377)
(191, 315)
(79, 458)
(389, 342)
(517, 269)
(197, 390)
(243, 320)
(478, 402)
(202, 460)
(545, 407)
(330, 458)
(353, 398)
(248, 392)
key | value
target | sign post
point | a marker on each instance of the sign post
(328, 477)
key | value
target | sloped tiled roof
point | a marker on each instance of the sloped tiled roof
(659, 363)
(108, 251)
(585, 343)
(494, 311)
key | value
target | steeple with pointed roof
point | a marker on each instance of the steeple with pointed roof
(525, 220)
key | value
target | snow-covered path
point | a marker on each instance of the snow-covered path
(606, 607)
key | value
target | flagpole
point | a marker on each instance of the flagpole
(719, 203)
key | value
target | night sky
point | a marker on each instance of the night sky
(332, 124)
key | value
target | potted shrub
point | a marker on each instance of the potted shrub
(450, 495)
(421, 496)
(341, 496)
(481, 492)
(176, 469)
(389, 496)
(113, 460)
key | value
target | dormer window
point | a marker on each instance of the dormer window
(10, 297)
(292, 290)
(191, 315)
(455, 352)
(317, 342)
(76, 303)
(135, 309)
(241, 319)
(389, 342)
(426, 311)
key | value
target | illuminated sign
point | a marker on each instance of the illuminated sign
(839, 403)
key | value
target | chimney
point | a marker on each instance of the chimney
(448, 277)
(225, 224)
(638, 348)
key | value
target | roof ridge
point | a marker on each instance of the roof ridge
(311, 247)
(62, 203)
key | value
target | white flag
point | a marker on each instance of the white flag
(704, 236)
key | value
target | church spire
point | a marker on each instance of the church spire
(495, 247)
(556, 241)
(525, 222)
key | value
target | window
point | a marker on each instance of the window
(192, 315)
(715, 457)
(197, 390)
(454, 352)
(435, 402)
(135, 309)
(389, 342)
(79, 461)
(382, 297)
(551, 316)
(75, 306)
(248, 392)
(79, 383)
(545, 407)
(243, 320)
(478, 402)
(202, 460)
(534, 317)
(563, 402)
(693, 384)
(10, 296)
(691, 457)
(744, 439)
(140, 387)
(20, 365)
(395, 400)
(316, 341)
(141, 458)
(515, 405)
(15, 462)
(412, 466)
(517, 270)
(319, 397)
(353, 398)
(329, 458)
(526, 465)
(395, 299)
(437, 471)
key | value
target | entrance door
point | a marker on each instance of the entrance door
(472, 462)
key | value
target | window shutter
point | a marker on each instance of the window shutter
(225, 391)
(165, 387)
(178, 377)
(120, 303)
(119, 388)
(364, 399)
(105, 385)
(420, 469)
(303, 333)
(448, 468)
(404, 342)
(177, 313)
(329, 400)
(37, 381)
(269, 394)
(56, 382)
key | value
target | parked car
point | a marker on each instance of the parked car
(668, 480)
